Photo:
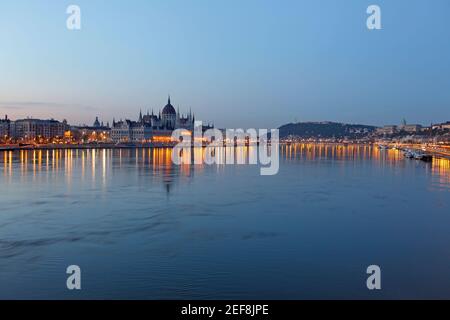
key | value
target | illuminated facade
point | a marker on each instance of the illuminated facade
(151, 127)
(168, 119)
(130, 131)
(29, 129)
(389, 129)
(442, 126)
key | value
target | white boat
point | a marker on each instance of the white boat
(408, 154)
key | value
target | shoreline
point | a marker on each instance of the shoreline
(431, 150)
(81, 147)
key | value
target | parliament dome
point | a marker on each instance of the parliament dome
(169, 109)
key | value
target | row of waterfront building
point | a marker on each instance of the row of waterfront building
(32, 128)
(411, 128)
(149, 127)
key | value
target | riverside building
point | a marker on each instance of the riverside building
(4, 127)
(151, 127)
(30, 129)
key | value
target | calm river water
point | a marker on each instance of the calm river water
(140, 227)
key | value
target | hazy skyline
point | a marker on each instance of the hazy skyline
(252, 63)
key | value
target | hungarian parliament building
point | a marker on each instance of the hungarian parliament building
(148, 128)
(151, 127)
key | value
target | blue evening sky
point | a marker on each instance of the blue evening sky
(239, 63)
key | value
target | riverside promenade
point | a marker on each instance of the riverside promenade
(14, 147)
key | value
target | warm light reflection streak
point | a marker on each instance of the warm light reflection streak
(160, 159)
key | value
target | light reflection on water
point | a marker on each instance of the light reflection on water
(439, 168)
(141, 227)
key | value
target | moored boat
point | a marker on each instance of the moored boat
(419, 155)
(408, 154)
